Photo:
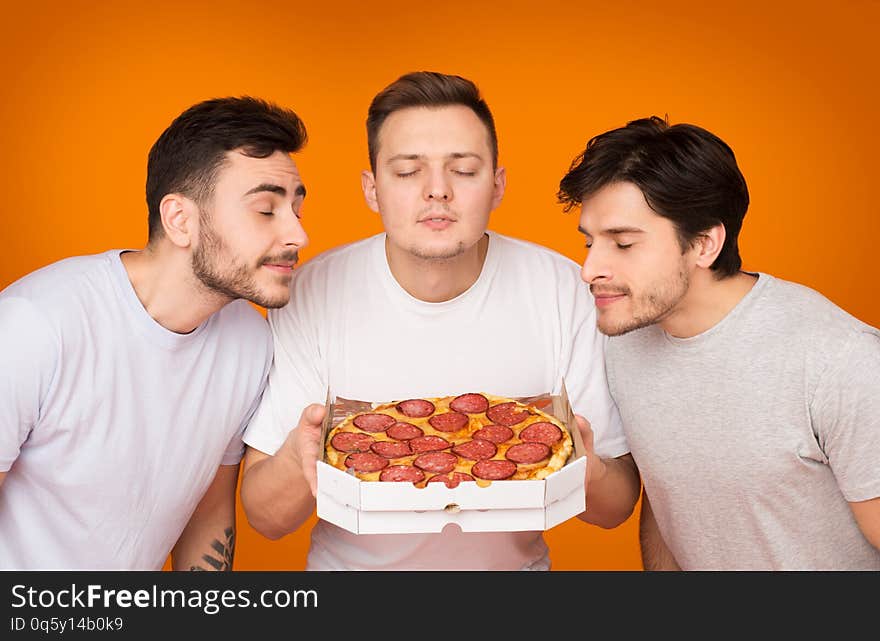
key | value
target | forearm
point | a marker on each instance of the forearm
(275, 495)
(208, 541)
(612, 496)
(655, 554)
(867, 515)
(209, 547)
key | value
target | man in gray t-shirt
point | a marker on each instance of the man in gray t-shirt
(750, 404)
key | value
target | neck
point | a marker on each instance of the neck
(437, 280)
(707, 302)
(164, 282)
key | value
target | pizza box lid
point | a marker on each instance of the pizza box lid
(374, 507)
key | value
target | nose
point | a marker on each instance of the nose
(294, 234)
(595, 268)
(437, 187)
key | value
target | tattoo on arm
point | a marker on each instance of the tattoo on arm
(221, 557)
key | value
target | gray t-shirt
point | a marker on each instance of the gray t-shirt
(752, 436)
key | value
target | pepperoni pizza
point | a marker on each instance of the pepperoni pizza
(471, 437)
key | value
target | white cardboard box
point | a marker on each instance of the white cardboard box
(371, 507)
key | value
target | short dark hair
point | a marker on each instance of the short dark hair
(427, 89)
(687, 175)
(186, 157)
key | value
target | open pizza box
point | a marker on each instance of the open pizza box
(369, 507)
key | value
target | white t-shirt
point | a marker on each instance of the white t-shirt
(112, 425)
(524, 325)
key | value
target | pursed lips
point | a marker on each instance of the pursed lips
(282, 266)
(284, 269)
(604, 298)
(436, 222)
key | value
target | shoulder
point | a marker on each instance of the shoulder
(64, 292)
(333, 275)
(61, 278)
(537, 259)
(335, 260)
(810, 313)
(518, 247)
(824, 336)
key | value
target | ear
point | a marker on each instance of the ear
(709, 245)
(180, 219)
(500, 186)
(368, 184)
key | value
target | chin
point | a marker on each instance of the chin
(273, 302)
(439, 252)
(610, 327)
(269, 298)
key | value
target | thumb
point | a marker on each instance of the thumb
(314, 414)
(586, 432)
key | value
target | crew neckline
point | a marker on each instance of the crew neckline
(146, 324)
(737, 310)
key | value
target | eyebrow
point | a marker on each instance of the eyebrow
(276, 189)
(453, 156)
(613, 231)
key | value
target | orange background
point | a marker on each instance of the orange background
(792, 87)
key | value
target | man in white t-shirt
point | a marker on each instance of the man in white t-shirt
(436, 305)
(127, 377)
(750, 403)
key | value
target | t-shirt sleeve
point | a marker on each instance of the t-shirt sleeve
(845, 412)
(294, 377)
(235, 449)
(28, 358)
(586, 381)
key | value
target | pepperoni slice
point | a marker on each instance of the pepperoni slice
(495, 433)
(470, 404)
(366, 462)
(351, 442)
(374, 422)
(546, 433)
(448, 422)
(493, 469)
(528, 453)
(404, 431)
(440, 462)
(415, 408)
(402, 473)
(476, 450)
(451, 480)
(390, 449)
(506, 414)
(429, 444)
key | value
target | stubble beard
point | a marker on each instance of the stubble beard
(225, 275)
(651, 307)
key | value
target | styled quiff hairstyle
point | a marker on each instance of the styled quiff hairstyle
(188, 155)
(687, 175)
(427, 89)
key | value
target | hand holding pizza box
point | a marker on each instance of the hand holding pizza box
(307, 443)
